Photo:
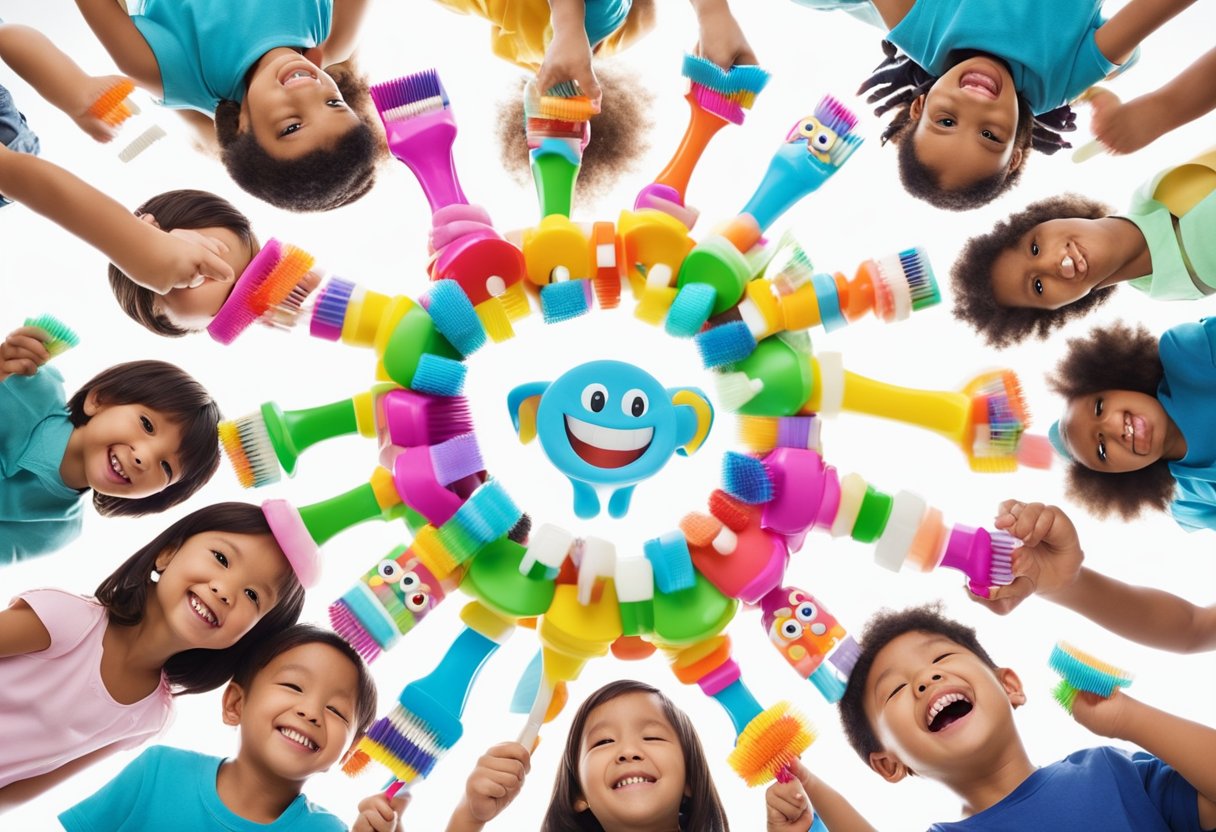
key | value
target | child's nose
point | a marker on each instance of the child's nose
(220, 592)
(936, 677)
(308, 716)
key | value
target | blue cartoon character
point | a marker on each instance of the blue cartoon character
(607, 423)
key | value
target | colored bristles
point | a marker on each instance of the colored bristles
(346, 623)
(730, 511)
(247, 443)
(409, 96)
(1083, 672)
(572, 108)
(772, 740)
(61, 337)
(717, 103)
(329, 312)
(999, 417)
(834, 115)
(239, 312)
(400, 742)
(690, 309)
(763, 433)
(457, 458)
(282, 279)
(454, 317)
(725, 344)
(565, 300)
(142, 142)
(111, 106)
(1000, 571)
(918, 272)
(486, 516)
(743, 82)
(736, 389)
(700, 529)
(439, 376)
(746, 478)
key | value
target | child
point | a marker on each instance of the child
(299, 700)
(1058, 258)
(1137, 426)
(557, 38)
(926, 698)
(83, 677)
(1048, 564)
(964, 133)
(290, 133)
(140, 435)
(632, 761)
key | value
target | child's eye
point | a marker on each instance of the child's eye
(990, 136)
(147, 424)
(168, 469)
(655, 739)
(598, 743)
(1038, 286)
(221, 557)
(897, 690)
(1034, 249)
(1097, 407)
(335, 102)
(946, 122)
(289, 129)
(1102, 450)
(292, 686)
(942, 656)
(252, 596)
(339, 714)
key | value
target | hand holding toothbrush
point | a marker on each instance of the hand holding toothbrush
(568, 57)
(23, 351)
(179, 259)
(494, 783)
(721, 40)
(1049, 559)
(378, 814)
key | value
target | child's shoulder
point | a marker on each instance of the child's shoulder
(67, 617)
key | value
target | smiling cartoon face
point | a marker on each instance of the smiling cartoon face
(800, 628)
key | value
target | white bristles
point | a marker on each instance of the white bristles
(634, 579)
(142, 142)
(413, 109)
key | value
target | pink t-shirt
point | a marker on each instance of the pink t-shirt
(54, 707)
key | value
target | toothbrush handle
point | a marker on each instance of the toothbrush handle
(451, 681)
(424, 144)
(702, 126)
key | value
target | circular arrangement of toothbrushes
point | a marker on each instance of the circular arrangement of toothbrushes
(744, 299)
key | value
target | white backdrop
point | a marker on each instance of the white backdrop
(380, 242)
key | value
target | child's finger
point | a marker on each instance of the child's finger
(1043, 524)
(511, 751)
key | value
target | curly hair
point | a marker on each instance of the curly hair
(618, 132)
(974, 300)
(884, 627)
(1115, 357)
(186, 208)
(319, 181)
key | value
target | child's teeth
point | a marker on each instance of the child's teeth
(1066, 262)
(117, 466)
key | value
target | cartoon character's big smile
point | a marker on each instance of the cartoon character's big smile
(606, 447)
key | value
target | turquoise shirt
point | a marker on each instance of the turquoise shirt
(603, 17)
(39, 513)
(205, 47)
(171, 788)
(1188, 394)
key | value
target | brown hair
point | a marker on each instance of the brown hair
(971, 275)
(701, 811)
(174, 392)
(124, 594)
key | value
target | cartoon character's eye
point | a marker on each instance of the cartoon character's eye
(635, 403)
(806, 611)
(417, 601)
(790, 630)
(409, 581)
(822, 139)
(389, 571)
(594, 397)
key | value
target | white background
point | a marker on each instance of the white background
(380, 242)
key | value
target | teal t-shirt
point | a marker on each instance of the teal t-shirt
(172, 788)
(1188, 394)
(205, 47)
(39, 513)
(603, 17)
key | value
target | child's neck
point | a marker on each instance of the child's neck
(252, 792)
(71, 467)
(1131, 249)
(984, 786)
(893, 12)
(134, 656)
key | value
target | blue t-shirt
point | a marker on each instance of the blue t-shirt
(1188, 394)
(603, 17)
(172, 788)
(205, 47)
(1104, 789)
(39, 513)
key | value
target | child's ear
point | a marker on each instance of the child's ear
(232, 704)
(580, 804)
(91, 403)
(1015, 161)
(917, 107)
(888, 766)
(162, 560)
(1012, 685)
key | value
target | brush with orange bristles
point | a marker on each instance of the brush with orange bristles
(279, 275)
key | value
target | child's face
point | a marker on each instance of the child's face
(195, 308)
(1056, 263)
(1115, 431)
(966, 124)
(937, 708)
(218, 585)
(298, 716)
(293, 107)
(124, 450)
(631, 764)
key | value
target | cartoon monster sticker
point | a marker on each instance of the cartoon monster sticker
(404, 587)
(800, 628)
(609, 424)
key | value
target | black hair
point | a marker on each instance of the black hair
(1115, 357)
(883, 628)
(174, 392)
(124, 594)
(186, 208)
(298, 635)
(322, 180)
(701, 811)
(974, 299)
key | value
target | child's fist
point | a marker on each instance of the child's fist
(788, 808)
(23, 352)
(1049, 558)
(1104, 717)
(722, 41)
(496, 780)
(568, 58)
(1125, 127)
(378, 814)
(95, 127)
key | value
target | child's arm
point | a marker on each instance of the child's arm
(22, 353)
(1127, 127)
(149, 256)
(22, 631)
(378, 814)
(23, 791)
(835, 812)
(568, 57)
(344, 33)
(1049, 564)
(494, 783)
(1118, 37)
(118, 34)
(56, 77)
(1187, 747)
(721, 39)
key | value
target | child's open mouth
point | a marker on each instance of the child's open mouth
(980, 83)
(1138, 432)
(946, 710)
(296, 73)
(299, 739)
(202, 610)
(633, 780)
(117, 473)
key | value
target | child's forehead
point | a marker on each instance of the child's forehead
(913, 645)
(321, 661)
(636, 707)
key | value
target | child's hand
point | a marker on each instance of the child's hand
(377, 814)
(95, 127)
(721, 39)
(788, 807)
(1049, 559)
(180, 259)
(1105, 717)
(568, 58)
(23, 352)
(1125, 128)
(497, 780)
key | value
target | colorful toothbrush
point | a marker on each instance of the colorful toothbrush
(278, 274)
(1082, 672)
(60, 336)
(557, 125)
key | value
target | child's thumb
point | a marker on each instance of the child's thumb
(400, 801)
